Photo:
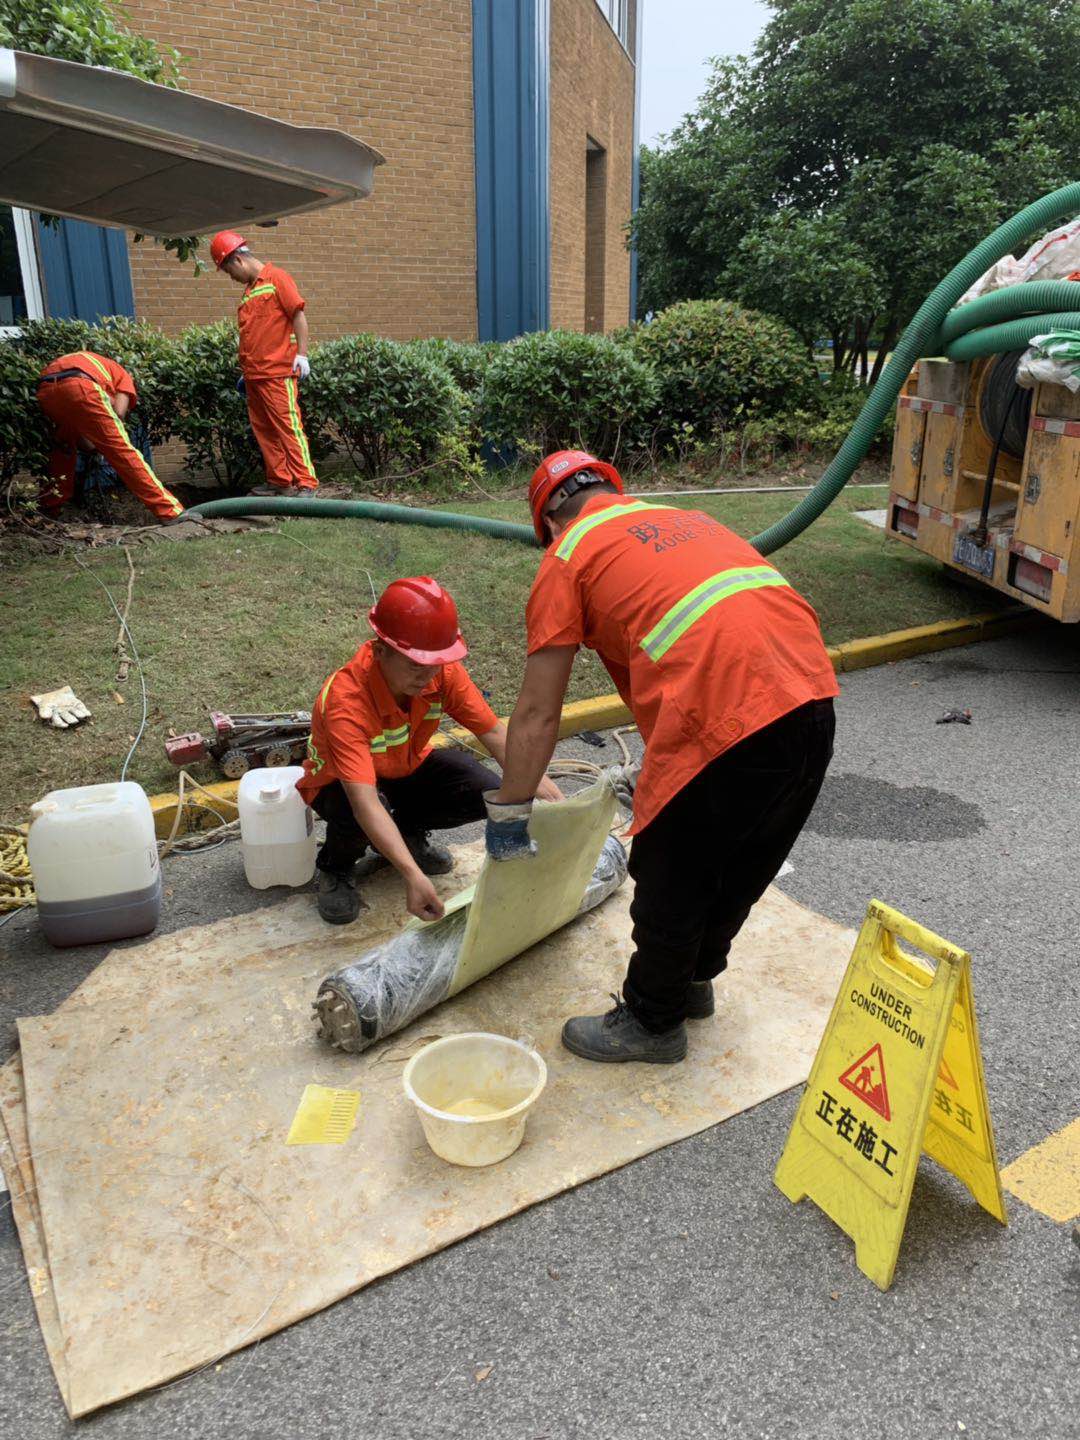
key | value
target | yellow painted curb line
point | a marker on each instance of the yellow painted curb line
(605, 712)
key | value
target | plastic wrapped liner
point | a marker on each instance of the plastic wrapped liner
(392, 985)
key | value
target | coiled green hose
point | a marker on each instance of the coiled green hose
(924, 337)
(1019, 312)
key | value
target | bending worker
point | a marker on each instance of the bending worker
(88, 397)
(273, 357)
(724, 670)
(371, 772)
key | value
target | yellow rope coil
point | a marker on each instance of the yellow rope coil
(16, 882)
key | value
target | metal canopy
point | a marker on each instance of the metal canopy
(95, 144)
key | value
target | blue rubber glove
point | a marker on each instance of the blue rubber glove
(507, 834)
(241, 386)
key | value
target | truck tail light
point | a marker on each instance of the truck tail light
(1032, 578)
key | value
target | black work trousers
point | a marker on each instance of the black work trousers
(703, 862)
(445, 790)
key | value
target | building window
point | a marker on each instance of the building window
(595, 233)
(20, 280)
(621, 15)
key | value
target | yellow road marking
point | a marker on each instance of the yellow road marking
(1047, 1177)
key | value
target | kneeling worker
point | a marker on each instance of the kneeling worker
(273, 357)
(88, 397)
(371, 772)
(724, 670)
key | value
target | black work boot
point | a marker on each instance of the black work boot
(620, 1035)
(339, 899)
(432, 859)
(700, 1001)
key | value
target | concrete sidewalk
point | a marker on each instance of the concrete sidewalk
(683, 1295)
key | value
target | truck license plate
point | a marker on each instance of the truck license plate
(979, 558)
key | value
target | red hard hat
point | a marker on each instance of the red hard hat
(224, 244)
(419, 618)
(554, 471)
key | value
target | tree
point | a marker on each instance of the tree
(914, 125)
(88, 32)
(808, 271)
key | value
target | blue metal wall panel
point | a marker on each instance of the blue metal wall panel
(86, 271)
(635, 195)
(510, 104)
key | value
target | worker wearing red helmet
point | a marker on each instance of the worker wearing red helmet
(88, 397)
(723, 667)
(371, 772)
(273, 358)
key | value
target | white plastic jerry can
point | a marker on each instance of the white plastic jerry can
(277, 830)
(93, 854)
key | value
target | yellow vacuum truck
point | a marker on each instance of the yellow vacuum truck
(986, 478)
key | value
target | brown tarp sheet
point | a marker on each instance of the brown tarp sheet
(164, 1221)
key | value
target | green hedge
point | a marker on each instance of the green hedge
(424, 409)
(718, 365)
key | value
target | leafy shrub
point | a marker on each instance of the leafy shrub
(717, 365)
(467, 362)
(558, 389)
(150, 357)
(42, 341)
(24, 432)
(394, 409)
(819, 428)
(211, 415)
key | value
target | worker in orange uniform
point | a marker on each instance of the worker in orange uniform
(724, 670)
(371, 772)
(88, 397)
(273, 358)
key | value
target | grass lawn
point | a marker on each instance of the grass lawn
(256, 621)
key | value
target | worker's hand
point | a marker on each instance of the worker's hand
(60, 708)
(301, 367)
(548, 790)
(507, 834)
(623, 780)
(421, 899)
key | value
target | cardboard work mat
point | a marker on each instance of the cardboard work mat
(165, 1222)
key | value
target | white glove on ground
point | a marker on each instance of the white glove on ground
(60, 708)
(301, 367)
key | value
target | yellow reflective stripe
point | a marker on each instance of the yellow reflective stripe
(686, 612)
(259, 290)
(125, 439)
(433, 712)
(317, 762)
(93, 360)
(298, 426)
(326, 690)
(580, 528)
(386, 739)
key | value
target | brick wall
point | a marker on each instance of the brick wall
(592, 95)
(395, 73)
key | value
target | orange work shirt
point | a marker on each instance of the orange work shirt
(705, 640)
(112, 378)
(265, 316)
(360, 732)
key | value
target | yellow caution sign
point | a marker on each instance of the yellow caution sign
(898, 1072)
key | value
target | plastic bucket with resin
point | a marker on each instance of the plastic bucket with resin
(473, 1093)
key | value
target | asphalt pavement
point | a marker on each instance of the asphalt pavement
(683, 1296)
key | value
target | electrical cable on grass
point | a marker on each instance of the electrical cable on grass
(126, 632)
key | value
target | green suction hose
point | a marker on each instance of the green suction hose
(366, 510)
(1003, 320)
(923, 337)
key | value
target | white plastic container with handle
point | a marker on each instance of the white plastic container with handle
(277, 830)
(93, 854)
